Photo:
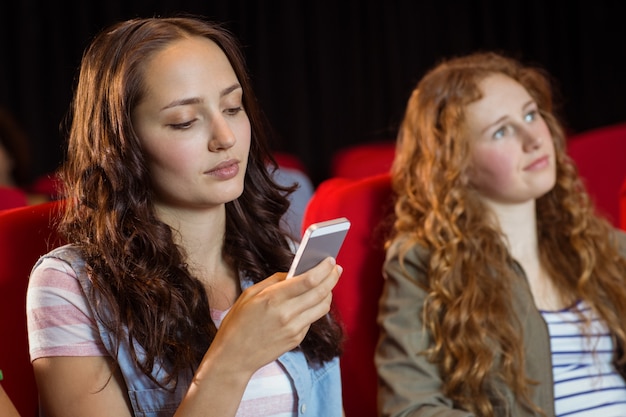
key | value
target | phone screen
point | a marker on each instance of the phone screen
(319, 241)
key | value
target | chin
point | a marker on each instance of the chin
(543, 192)
(232, 195)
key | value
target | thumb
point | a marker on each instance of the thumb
(267, 282)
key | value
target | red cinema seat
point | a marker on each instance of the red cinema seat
(364, 160)
(26, 233)
(366, 203)
(49, 185)
(11, 197)
(600, 155)
(288, 160)
(622, 206)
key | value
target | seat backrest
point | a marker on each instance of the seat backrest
(11, 197)
(49, 184)
(363, 160)
(26, 233)
(298, 200)
(622, 206)
(289, 160)
(600, 155)
(366, 203)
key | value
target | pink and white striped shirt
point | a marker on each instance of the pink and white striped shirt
(60, 323)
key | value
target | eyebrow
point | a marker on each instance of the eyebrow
(230, 89)
(529, 103)
(197, 100)
(490, 125)
(501, 119)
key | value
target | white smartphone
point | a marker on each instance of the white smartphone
(320, 240)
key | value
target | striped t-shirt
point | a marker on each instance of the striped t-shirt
(586, 383)
(60, 323)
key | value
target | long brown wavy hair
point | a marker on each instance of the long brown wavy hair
(142, 288)
(468, 311)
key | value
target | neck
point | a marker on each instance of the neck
(519, 226)
(200, 233)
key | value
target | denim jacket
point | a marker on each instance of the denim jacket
(318, 388)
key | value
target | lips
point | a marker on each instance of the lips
(538, 164)
(225, 170)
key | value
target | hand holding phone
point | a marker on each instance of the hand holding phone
(320, 240)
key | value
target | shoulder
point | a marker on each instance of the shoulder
(67, 253)
(64, 259)
(56, 279)
(620, 236)
(59, 316)
(53, 269)
(402, 247)
(406, 257)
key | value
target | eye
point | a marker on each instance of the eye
(232, 111)
(531, 116)
(183, 125)
(500, 133)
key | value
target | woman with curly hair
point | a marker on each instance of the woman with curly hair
(505, 293)
(169, 299)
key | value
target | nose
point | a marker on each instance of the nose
(531, 139)
(221, 136)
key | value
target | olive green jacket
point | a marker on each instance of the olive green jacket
(409, 384)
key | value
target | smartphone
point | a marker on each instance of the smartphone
(320, 240)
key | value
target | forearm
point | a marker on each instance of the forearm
(217, 386)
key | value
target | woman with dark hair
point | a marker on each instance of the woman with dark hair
(168, 300)
(505, 293)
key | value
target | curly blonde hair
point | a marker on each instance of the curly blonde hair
(468, 312)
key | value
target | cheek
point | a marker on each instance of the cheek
(243, 132)
(167, 158)
(243, 135)
(490, 168)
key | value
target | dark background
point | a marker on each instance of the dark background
(329, 74)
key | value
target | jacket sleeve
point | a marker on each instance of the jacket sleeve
(621, 242)
(408, 384)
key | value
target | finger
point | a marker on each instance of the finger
(304, 320)
(313, 277)
(262, 285)
(322, 287)
(314, 303)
